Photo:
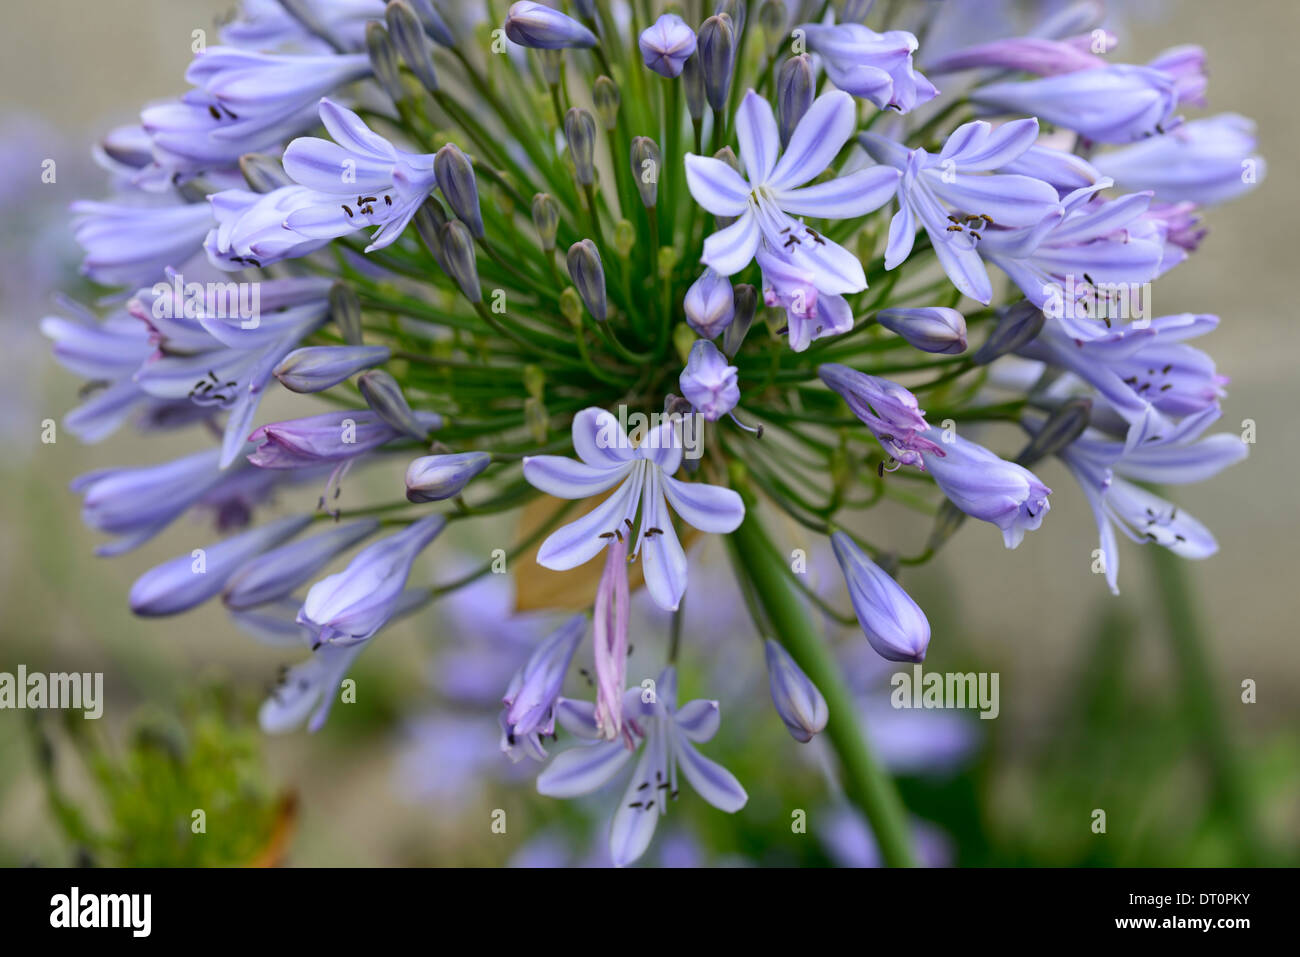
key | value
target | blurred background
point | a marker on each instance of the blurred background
(1130, 704)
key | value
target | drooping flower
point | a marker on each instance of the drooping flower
(530, 700)
(987, 487)
(956, 197)
(772, 190)
(275, 574)
(353, 604)
(643, 474)
(330, 437)
(874, 66)
(887, 409)
(667, 735)
(131, 244)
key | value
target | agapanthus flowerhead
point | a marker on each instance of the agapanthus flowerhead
(708, 382)
(894, 624)
(353, 604)
(801, 706)
(538, 26)
(987, 487)
(874, 66)
(667, 735)
(529, 712)
(887, 409)
(608, 457)
(772, 190)
(667, 44)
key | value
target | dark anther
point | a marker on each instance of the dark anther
(346, 210)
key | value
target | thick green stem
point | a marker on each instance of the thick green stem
(866, 783)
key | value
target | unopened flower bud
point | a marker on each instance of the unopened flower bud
(434, 478)
(646, 162)
(1017, 325)
(546, 219)
(605, 96)
(384, 396)
(894, 625)
(551, 62)
(708, 382)
(534, 380)
(429, 220)
(458, 186)
(931, 329)
(407, 35)
(459, 259)
(571, 306)
(538, 26)
(316, 368)
(345, 310)
(667, 44)
(588, 276)
(693, 78)
(383, 61)
(1066, 423)
(773, 18)
(434, 25)
(709, 304)
(798, 702)
(717, 53)
(746, 300)
(580, 131)
(795, 87)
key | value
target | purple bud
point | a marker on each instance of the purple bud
(588, 276)
(384, 396)
(191, 579)
(708, 382)
(275, 574)
(580, 132)
(321, 439)
(794, 93)
(710, 304)
(316, 368)
(717, 52)
(408, 38)
(458, 258)
(667, 44)
(746, 300)
(384, 62)
(646, 162)
(931, 329)
(798, 702)
(434, 24)
(456, 181)
(546, 219)
(355, 603)
(894, 625)
(1018, 325)
(540, 27)
(888, 410)
(433, 478)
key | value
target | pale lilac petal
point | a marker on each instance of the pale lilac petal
(709, 508)
(824, 129)
(567, 478)
(580, 541)
(662, 560)
(699, 720)
(582, 770)
(716, 186)
(599, 439)
(760, 142)
(854, 195)
(730, 250)
(710, 780)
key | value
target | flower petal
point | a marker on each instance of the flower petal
(699, 720)
(716, 186)
(760, 142)
(582, 770)
(580, 541)
(710, 508)
(817, 139)
(662, 560)
(567, 478)
(730, 250)
(710, 780)
(844, 197)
